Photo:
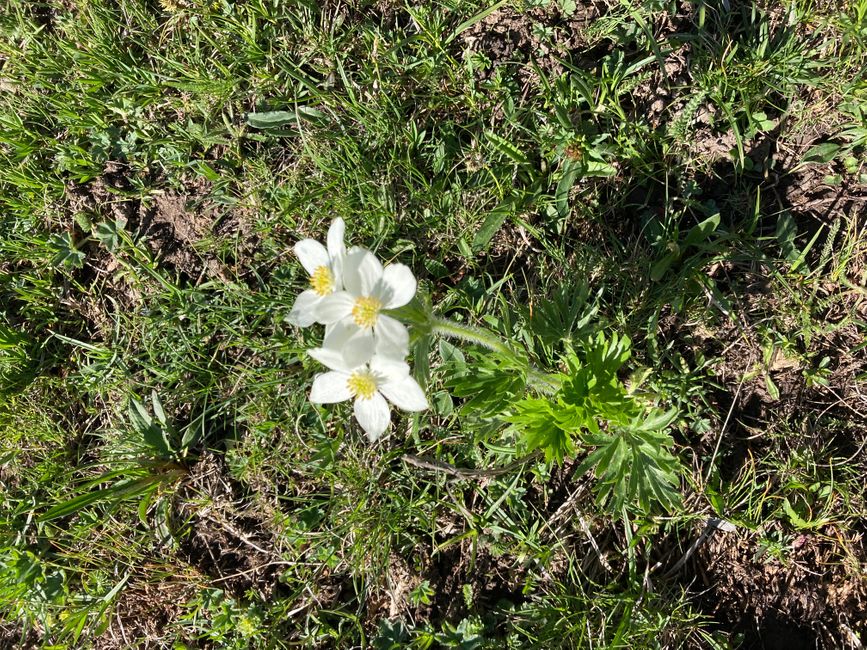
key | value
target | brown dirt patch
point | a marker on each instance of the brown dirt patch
(235, 545)
(543, 35)
(814, 597)
(183, 230)
(143, 612)
(13, 637)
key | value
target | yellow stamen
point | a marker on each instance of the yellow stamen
(322, 281)
(361, 384)
(365, 311)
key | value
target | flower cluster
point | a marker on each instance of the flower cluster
(364, 349)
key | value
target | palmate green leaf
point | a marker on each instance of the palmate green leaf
(66, 253)
(634, 467)
(566, 313)
(534, 418)
(594, 384)
(108, 233)
(492, 386)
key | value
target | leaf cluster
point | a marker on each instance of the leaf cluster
(167, 447)
(159, 435)
(490, 382)
(630, 453)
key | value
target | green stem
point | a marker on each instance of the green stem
(469, 333)
(541, 381)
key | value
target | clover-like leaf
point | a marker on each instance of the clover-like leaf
(66, 254)
(108, 233)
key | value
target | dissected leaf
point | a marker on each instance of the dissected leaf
(534, 418)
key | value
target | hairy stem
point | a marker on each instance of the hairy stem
(541, 381)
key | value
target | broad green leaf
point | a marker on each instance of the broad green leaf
(787, 230)
(493, 222)
(659, 269)
(477, 18)
(143, 508)
(442, 403)
(701, 232)
(507, 148)
(659, 420)
(794, 517)
(599, 169)
(773, 391)
(158, 408)
(153, 435)
(822, 153)
(138, 415)
(75, 504)
(451, 354)
(802, 256)
(271, 119)
(122, 490)
(194, 431)
(571, 171)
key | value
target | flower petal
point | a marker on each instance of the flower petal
(311, 254)
(359, 348)
(346, 347)
(392, 338)
(373, 415)
(331, 359)
(397, 286)
(335, 238)
(334, 307)
(303, 312)
(330, 387)
(361, 272)
(388, 370)
(338, 333)
(405, 394)
(354, 344)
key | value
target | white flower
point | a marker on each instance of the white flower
(325, 267)
(369, 289)
(369, 384)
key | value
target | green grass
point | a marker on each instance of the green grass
(688, 176)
